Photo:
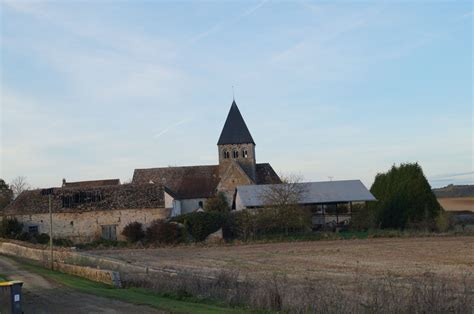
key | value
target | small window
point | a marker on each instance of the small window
(245, 153)
(33, 229)
(235, 154)
(200, 204)
(226, 154)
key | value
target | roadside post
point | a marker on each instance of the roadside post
(49, 192)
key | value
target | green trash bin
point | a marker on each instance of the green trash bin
(10, 297)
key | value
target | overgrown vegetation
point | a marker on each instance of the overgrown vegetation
(6, 194)
(164, 232)
(252, 224)
(133, 232)
(217, 204)
(389, 294)
(11, 228)
(101, 243)
(201, 224)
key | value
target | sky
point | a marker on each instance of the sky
(329, 90)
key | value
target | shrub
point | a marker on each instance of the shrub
(11, 228)
(217, 204)
(201, 224)
(42, 238)
(444, 221)
(101, 243)
(404, 197)
(133, 232)
(270, 221)
(363, 218)
(164, 232)
(62, 242)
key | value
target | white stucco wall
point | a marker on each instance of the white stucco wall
(238, 202)
(174, 205)
(190, 205)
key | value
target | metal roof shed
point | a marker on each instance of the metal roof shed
(251, 196)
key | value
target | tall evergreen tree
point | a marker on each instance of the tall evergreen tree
(404, 196)
(6, 194)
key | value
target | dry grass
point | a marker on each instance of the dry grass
(394, 275)
(429, 294)
(337, 260)
(457, 203)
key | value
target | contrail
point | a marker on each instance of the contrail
(164, 131)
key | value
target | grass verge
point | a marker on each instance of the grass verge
(138, 296)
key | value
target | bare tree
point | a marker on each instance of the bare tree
(284, 200)
(290, 192)
(18, 185)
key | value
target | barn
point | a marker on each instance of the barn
(331, 202)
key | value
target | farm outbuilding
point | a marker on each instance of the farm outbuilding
(331, 202)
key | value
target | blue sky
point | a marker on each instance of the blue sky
(342, 89)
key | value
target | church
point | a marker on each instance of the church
(86, 210)
(188, 188)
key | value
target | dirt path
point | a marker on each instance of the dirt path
(44, 296)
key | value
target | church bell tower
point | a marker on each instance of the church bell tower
(236, 144)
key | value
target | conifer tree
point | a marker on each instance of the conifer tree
(404, 197)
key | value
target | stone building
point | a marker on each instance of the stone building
(87, 210)
(188, 188)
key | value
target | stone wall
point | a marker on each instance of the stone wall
(81, 227)
(116, 268)
(233, 177)
(43, 256)
(247, 163)
(93, 274)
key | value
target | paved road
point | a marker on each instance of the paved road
(41, 295)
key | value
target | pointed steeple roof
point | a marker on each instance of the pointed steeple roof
(235, 130)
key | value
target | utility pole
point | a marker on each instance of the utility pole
(51, 231)
(49, 192)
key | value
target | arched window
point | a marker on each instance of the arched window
(245, 153)
(200, 204)
(235, 154)
(225, 154)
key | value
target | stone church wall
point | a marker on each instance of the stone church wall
(247, 163)
(81, 227)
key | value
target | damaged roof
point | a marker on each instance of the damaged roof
(91, 183)
(74, 199)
